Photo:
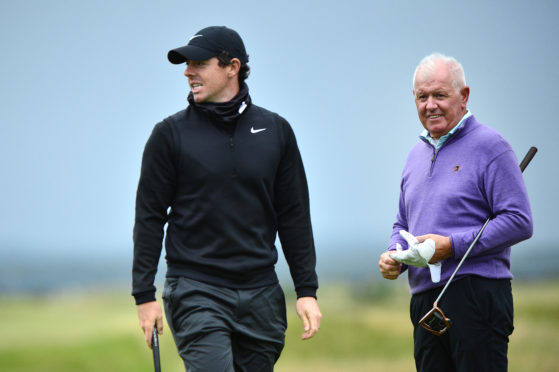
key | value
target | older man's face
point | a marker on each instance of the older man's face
(439, 105)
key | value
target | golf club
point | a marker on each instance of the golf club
(435, 321)
(155, 348)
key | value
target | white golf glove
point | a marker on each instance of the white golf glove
(418, 254)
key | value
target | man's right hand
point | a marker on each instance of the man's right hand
(149, 314)
(389, 267)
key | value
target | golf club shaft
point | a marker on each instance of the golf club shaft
(155, 348)
(523, 164)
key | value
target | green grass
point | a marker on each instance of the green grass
(363, 329)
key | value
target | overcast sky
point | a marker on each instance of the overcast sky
(82, 83)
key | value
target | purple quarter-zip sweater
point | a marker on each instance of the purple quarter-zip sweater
(452, 191)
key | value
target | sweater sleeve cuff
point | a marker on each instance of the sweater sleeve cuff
(458, 245)
(144, 297)
(306, 292)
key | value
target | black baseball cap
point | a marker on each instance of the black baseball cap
(208, 43)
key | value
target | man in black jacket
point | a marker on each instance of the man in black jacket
(226, 176)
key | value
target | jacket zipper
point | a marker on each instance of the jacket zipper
(234, 172)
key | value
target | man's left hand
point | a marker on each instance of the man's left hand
(308, 311)
(443, 246)
(418, 254)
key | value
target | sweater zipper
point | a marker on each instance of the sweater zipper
(435, 152)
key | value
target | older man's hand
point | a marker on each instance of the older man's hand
(418, 254)
(389, 267)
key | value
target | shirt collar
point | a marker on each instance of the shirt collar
(437, 143)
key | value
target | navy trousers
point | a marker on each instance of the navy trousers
(220, 329)
(481, 311)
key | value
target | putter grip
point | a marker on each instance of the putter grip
(528, 158)
(155, 348)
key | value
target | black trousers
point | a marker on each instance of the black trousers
(220, 329)
(481, 311)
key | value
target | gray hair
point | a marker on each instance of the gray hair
(428, 63)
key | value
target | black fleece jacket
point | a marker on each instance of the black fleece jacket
(224, 189)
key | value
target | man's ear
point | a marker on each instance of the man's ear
(234, 67)
(465, 95)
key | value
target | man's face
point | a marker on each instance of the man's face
(440, 106)
(210, 82)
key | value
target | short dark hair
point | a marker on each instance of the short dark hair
(224, 59)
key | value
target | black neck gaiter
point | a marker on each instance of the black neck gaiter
(226, 112)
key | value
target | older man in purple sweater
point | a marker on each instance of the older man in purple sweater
(458, 175)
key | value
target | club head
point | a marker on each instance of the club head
(435, 321)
